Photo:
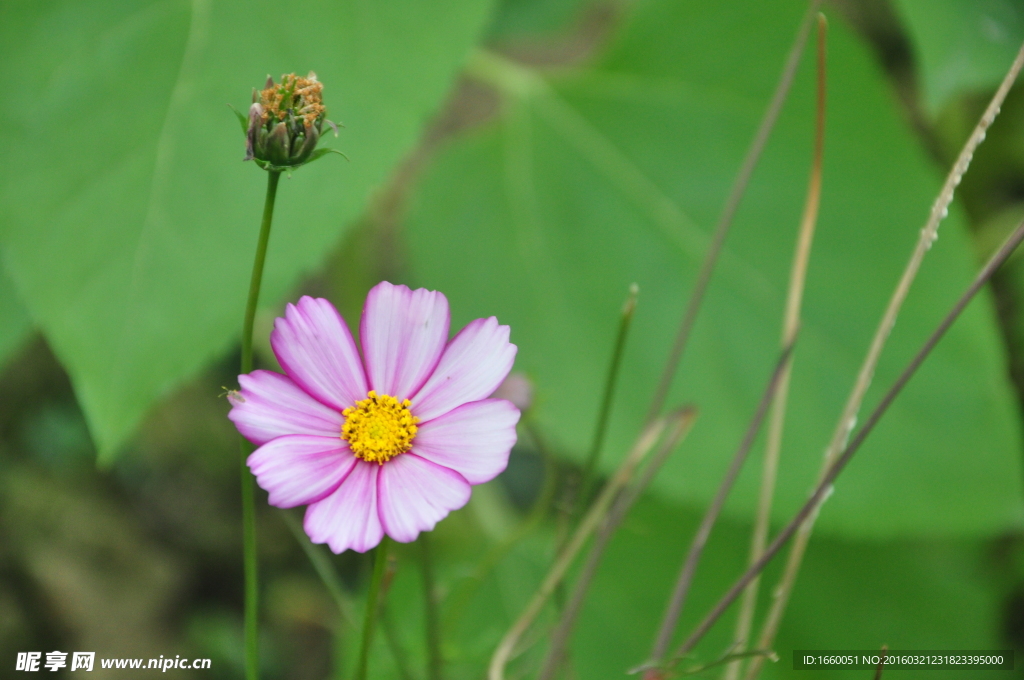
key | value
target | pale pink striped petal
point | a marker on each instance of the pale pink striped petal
(300, 469)
(271, 405)
(416, 494)
(348, 518)
(403, 333)
(316, 350)
(474, 439)
(471, 368)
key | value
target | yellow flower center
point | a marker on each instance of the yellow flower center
(379, 427)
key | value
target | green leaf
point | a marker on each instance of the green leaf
(962, 46)
(131, 222)
(242, 120)
(15, 323)
(909, 594)
(320, 153)
(514, 19)
(616, 174)
(912, 594)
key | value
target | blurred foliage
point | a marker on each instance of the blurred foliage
(851, 595)
(616, 173)
(514, 19)
(123, 224)
(589, 145)
(962, 47)
(16, 324)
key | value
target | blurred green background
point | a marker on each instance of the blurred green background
(531, 159)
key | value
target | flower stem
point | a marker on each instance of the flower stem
(847, 420)
(732, 204)
(648, 438)
(248, 492)
(387, 623)
(257, 270)
(430, 599)
(623, 502)
(824, 486)
(790, 323)
(700, 539)
(604, 415)
(460, 599)
(324, 569)
(380, 561)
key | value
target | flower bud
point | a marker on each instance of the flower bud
(252, 132)
(516, 388)
(277, 149)
(285, 123)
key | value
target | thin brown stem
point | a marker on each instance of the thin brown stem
(597, 512)
(790, 322)
(881, 663)
(622, 505)
(700, 539)
(739, 188)
(846, 421)
(541, 508)
(824, 486)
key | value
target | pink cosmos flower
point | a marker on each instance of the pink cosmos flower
(387, 443)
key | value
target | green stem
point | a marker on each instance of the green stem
(318, 557)
(391, 637)
(248, 492)
(430, 597)
(257, 270)
(380, 561)
(461, 598)
(604, 414)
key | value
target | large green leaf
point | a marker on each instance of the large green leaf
(516, 19)
(130, 220)
(15, 323)
(913, 594)
(850, 595)
(614, 174)
(962, 45)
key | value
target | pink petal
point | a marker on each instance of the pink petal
(271, 405)
(316, 350)
(472, 367)
(299, 469)
(474, 439)
(348, 518)
(403, 333)
(416, 494)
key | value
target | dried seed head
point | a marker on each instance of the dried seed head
(285, 122)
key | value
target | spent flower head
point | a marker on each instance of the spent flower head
(389, 442)
(285, 122)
